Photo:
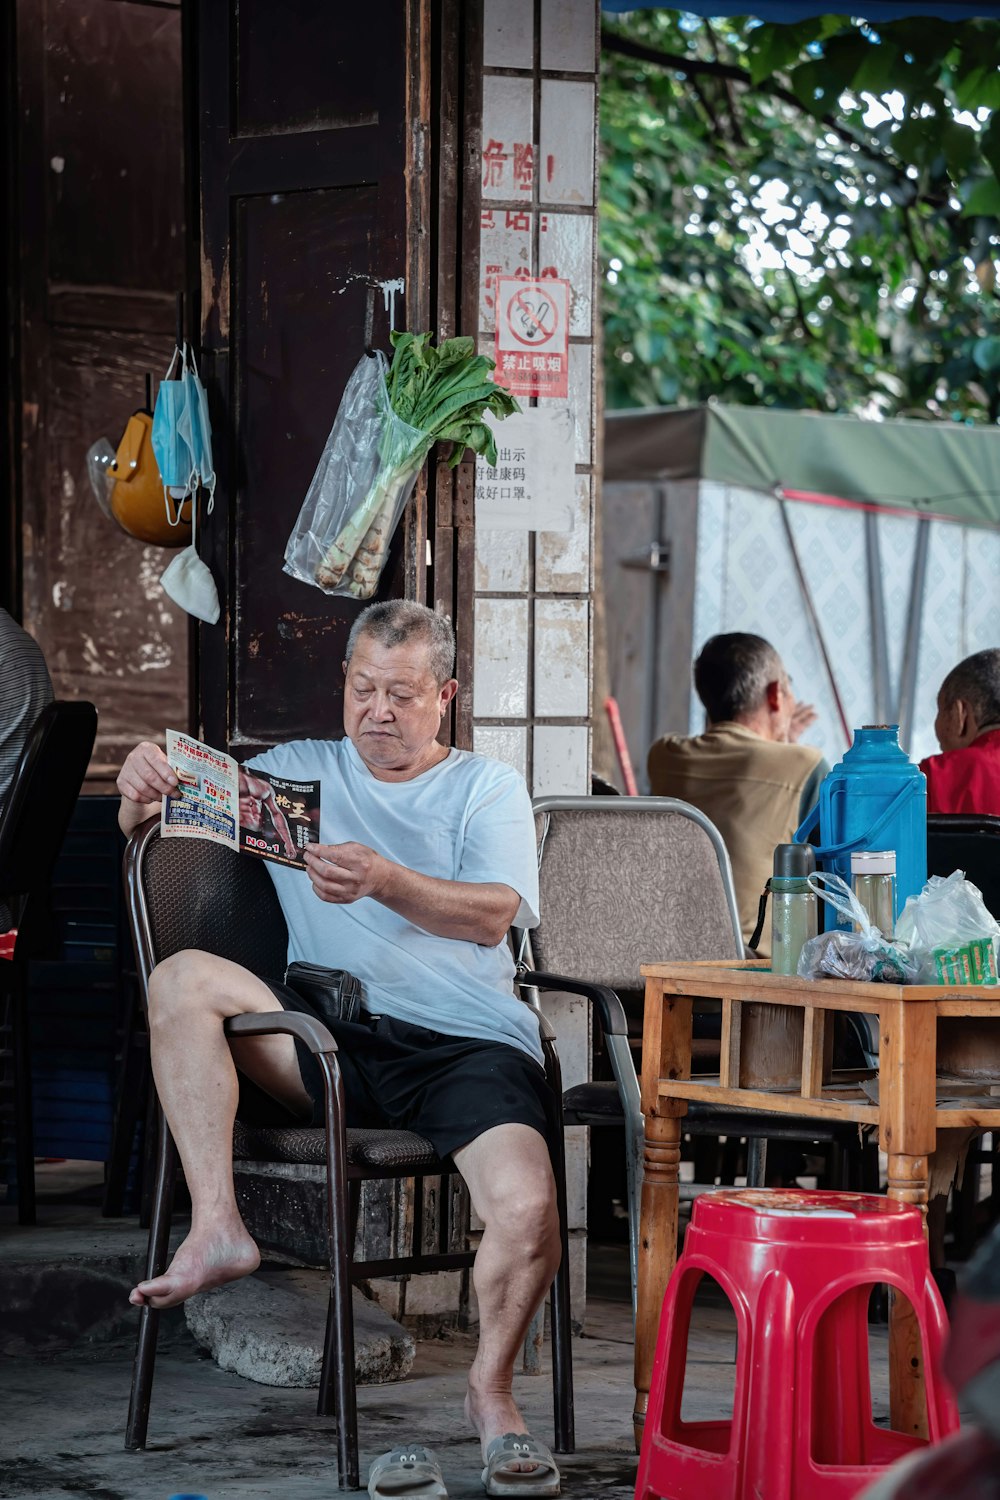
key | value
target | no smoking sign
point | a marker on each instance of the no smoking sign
(533, 336)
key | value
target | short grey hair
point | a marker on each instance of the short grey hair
(976, 680)
(732, 674)
(393, 622)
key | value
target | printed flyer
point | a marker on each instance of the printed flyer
(226, 803)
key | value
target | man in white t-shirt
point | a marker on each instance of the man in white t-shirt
(426, 857)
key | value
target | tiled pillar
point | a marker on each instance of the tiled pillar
(534, 590)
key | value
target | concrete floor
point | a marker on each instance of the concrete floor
(66, 1336)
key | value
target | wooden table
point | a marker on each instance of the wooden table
(907, 1113)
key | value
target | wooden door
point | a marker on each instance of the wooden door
(310, 117)
(97, 240)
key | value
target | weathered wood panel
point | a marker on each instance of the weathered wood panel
(100, 231)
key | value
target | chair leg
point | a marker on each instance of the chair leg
(337, 1390)
(150, 1139)
(24, 1131)
(756, 1161)
(133, 1092)
(840, 1166)
(620, 1058)
(149, 1317)
(562, 1326)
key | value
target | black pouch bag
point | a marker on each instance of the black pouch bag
(334, 994)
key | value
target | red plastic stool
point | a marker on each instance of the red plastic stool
(798, 1268)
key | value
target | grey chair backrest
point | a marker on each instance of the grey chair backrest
(630, 880)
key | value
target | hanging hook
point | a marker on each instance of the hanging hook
(369, 320)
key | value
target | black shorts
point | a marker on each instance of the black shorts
(449, 1089)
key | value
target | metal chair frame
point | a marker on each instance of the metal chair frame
(350, 1160)
(700, 1119)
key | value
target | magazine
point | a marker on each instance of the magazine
(252, 811)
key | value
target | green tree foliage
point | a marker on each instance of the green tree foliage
(805, 215)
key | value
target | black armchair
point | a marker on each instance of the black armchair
(36, 814)
(184, 893)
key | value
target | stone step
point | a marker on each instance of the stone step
(269, 1327)
(49, 1307)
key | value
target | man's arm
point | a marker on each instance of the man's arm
(809, 795)
(144, 780)
(469, 911)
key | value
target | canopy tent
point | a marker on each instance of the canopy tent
(799, 10)
(870, 551)
(941, 469)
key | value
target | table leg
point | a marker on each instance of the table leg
(907, 1053)
(666, 1053)
(657, 1248)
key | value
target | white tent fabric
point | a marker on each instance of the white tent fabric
(745, 580)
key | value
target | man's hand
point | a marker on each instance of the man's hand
(469, 912)
(803, 714)
(144, 780)
(343, 873)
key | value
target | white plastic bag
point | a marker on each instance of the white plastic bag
(865, 954)
(363, 480)
(950, 928)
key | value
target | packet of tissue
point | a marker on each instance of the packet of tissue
(951, 932)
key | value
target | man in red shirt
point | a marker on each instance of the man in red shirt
(965, 777)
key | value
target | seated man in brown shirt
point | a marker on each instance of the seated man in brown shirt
(745, 772)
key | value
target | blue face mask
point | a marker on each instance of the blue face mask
(182, 434)
(196, 430)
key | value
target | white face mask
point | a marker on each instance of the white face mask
(189, 582)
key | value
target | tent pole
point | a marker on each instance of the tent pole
(814, 618)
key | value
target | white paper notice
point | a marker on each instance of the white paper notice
(532, 486)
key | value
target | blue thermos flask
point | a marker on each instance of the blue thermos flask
(875, 798)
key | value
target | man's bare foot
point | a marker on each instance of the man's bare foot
(199, 1264)
(492, 1413)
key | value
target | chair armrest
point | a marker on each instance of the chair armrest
(604, 1000)
(287, 1022)
(546, 1030)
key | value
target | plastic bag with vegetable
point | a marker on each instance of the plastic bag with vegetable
(951, 932)
(863, 954)
(388, 420)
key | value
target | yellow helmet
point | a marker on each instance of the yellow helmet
(139, 502)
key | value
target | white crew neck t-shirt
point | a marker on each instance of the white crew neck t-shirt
(469, 819)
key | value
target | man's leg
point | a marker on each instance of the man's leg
(190, 996)
(513, 1191)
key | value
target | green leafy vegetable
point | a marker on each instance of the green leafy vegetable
(434, 395)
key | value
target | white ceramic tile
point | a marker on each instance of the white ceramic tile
(566, 142)
(577, 1162)
(577, 1278)
(562, 558)
(561, 760)
(508, 35)
(566, 249)
(569, 44)
(501, 561)
(506, 742)
(570, 1016)
(508, 160)
(562, 666)
(501, 659)
(505, 244)
(581, 398)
